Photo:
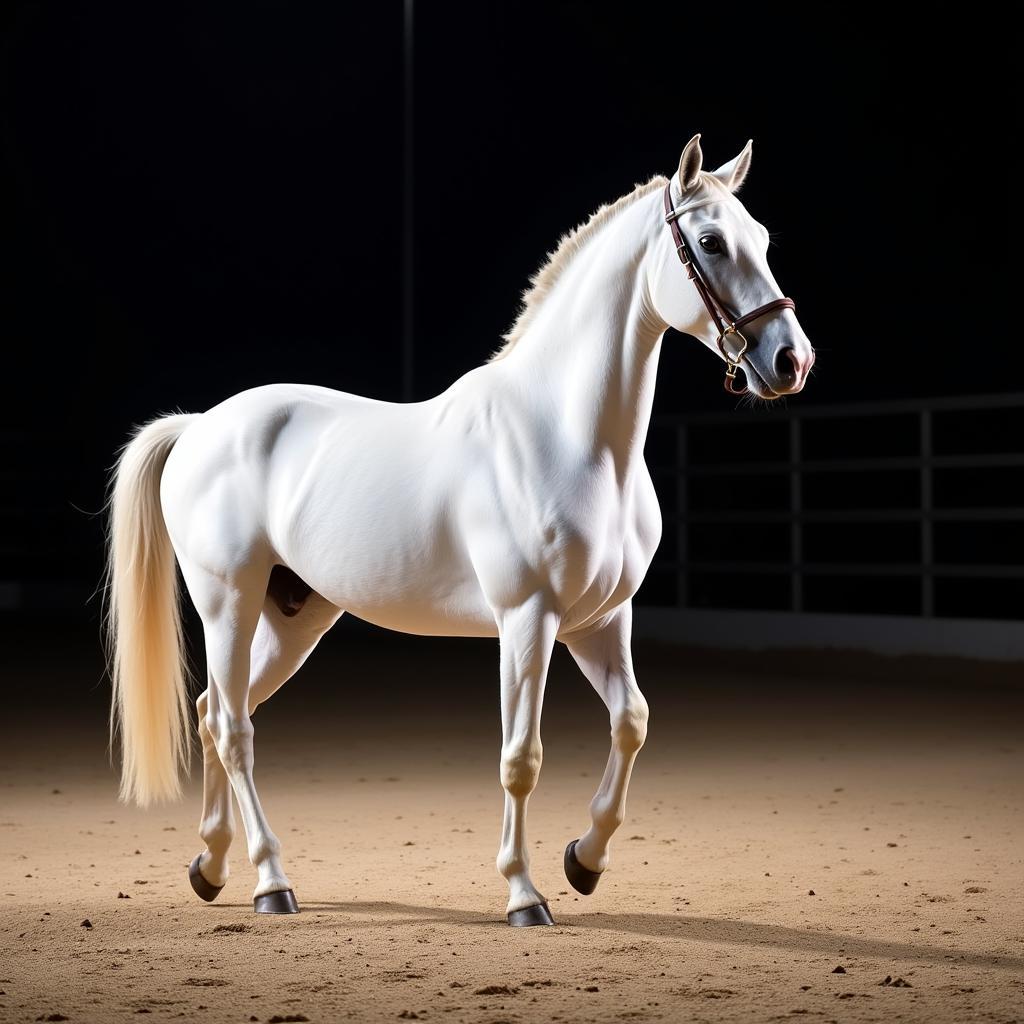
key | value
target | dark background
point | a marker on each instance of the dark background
(196, 201)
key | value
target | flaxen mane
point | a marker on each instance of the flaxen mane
(543, 282)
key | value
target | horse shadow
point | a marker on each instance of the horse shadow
(684, 927)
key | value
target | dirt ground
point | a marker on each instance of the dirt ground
(844, 845)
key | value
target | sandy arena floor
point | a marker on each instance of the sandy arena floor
(829, 848)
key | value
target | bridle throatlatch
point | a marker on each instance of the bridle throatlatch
(727, 323)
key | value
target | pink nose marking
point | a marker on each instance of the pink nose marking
(788, 363)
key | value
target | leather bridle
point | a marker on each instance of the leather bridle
(727, 323)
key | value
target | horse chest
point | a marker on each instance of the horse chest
(599, 553)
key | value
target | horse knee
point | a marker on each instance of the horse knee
(629, 724)
(520, 767)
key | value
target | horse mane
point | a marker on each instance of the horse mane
(544, 280)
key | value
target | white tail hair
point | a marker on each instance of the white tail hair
(149, 703)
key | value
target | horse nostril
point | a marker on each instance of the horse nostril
(786, 362)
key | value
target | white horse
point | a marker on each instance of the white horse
(516, 504)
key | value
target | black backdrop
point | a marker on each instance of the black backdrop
(196, 201)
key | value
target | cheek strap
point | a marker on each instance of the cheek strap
(726, 322)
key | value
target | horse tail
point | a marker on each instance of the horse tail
(145, 643)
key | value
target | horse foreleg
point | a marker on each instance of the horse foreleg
(605, 659)
(280, 647)
(527, 635)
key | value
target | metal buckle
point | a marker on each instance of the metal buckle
(732, 362)
(733, 359)
(730, 382)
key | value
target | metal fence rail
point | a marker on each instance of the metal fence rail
(791, 470)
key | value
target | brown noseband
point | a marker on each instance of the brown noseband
(724, 319)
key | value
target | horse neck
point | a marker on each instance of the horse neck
(594, 344)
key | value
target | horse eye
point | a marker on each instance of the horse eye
(709, 243)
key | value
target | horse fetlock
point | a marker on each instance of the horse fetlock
(607, 815)
(216, 832)
(265, 849)
(513, 863)
(213, 864)
(272, 881)
(522, 893)
(266, 858)
(592, 851)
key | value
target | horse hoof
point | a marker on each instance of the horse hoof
(530, 916)
(281, 902)
(580, 878)
(202, 887)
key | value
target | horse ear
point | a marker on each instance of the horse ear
(690, 164)
(731, 175)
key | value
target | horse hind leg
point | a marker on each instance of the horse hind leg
(287, 633)
(208, 872)
(230, 617)
(283, 641)
(231, 609)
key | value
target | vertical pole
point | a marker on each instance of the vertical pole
(796, 545)
(682, 518)
(927, 539)
(408, 238)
